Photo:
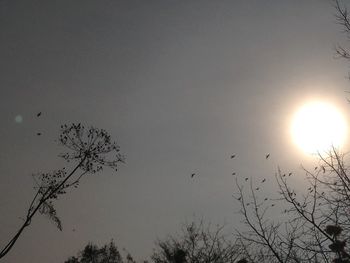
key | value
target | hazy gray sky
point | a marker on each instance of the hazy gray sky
(180, 84)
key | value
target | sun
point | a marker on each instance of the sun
(318, 126)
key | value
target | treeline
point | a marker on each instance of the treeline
(198, 242)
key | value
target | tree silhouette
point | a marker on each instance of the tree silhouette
(106, 254)
(198, 243)
(91, 149)
(342, 18)
(314, 223)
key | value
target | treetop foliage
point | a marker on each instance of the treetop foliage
(105, 254)
(198, 242)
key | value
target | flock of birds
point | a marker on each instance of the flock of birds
(247, 178)
(234, 173)
(194, 174)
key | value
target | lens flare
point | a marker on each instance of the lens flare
(19, 119)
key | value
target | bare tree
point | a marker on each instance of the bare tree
(342, 18)
(91, 149)
(314, 226)
(315, 223)
(198, 242)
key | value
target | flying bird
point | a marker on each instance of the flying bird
(234, 173)
(38, 114)
(246, 179)
(233, 156)
(38, 133)
(257, 188)
(289, 174)
(263, 180)
(267, 156)
(193, 174)
(265, 198)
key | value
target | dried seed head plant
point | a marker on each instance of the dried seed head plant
(91, 149)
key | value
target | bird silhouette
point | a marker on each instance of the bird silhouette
(193, 174)
(233, 156)
(38, 133)
(233, 173)
(263, 180)
(265, 198)
(273, 205)
(267, 156)
(289, 174)
(239, 198)
(316, 167)
(246, 179)
(257, 188)
(38, 114)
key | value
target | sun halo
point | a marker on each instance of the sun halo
(317, 127)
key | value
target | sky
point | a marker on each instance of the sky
(181, 85)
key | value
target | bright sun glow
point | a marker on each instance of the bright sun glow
(318, 126)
